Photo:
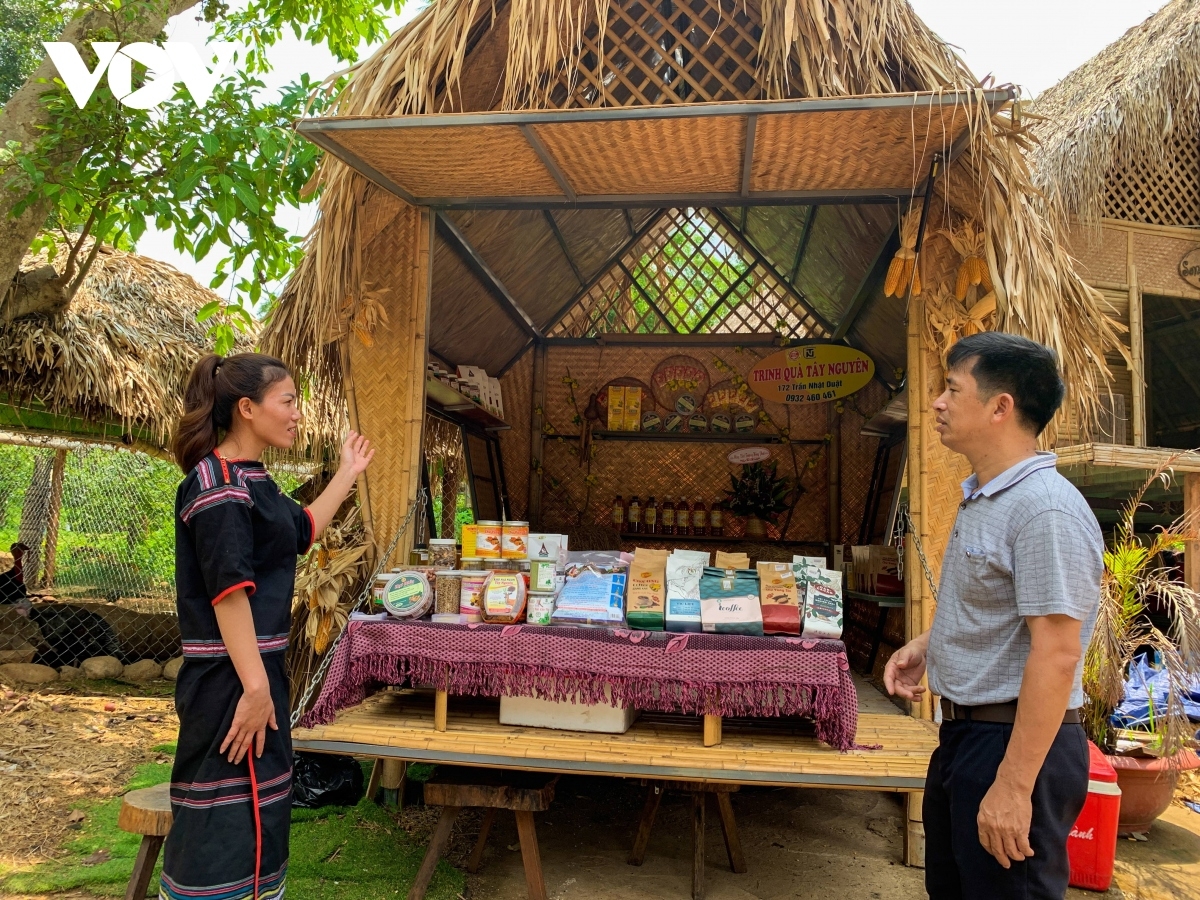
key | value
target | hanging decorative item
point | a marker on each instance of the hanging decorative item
(904, 263)
(680, 381)
(968, 242)
(947, 319)
(731, 398)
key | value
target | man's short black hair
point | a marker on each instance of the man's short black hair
(1011, 364)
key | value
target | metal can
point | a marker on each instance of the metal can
(489, 539)
(514, 540)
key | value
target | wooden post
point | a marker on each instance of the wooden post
(916, 590)
(699, 799)
(834, 468)
(392, 775)
(56, 489)
(1191, 547)
(440, 702)
(536, 436)
(914, 832)
(712, 731)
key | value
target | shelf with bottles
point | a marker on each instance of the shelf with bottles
(696, 437)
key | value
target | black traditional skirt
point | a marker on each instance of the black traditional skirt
(229, 839)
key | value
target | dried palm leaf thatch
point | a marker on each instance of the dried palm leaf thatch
(814, 48)
(122, 350)
(1118, 109)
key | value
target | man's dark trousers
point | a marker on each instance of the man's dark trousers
(961, 771)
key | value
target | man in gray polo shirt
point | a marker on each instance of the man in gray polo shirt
(1019, 592)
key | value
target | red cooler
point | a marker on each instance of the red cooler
(1092, 846)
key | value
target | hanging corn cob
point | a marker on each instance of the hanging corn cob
(903, 267)
(973, 271)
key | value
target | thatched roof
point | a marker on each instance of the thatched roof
(121, 352)
(464, 55)
(1118, 109)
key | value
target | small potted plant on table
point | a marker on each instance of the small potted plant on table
(1148, 759)
(759, 495)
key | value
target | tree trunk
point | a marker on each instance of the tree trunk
(34, 512)
(24, 116)
(52, 517)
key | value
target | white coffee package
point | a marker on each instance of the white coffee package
(684, 569)
(823, 606)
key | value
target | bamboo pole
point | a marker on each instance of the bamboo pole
(916, 590)
(834, 468)
(441, 704)
(1137, 350)
(712, 731)
(1191, 546)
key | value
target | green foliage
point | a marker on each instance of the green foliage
(347, 853)
(760, 491)
(215, 176)
(24, 24)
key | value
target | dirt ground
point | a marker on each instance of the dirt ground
(56, 748)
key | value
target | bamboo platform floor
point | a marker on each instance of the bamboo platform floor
(784, 752)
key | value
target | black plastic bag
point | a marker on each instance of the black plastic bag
(319, 779)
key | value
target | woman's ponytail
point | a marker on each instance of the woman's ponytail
(213, 390)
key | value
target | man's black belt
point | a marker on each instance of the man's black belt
(1004, 713)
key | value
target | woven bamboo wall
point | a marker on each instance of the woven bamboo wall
(573, 494)
(517, 387)
(857, 450)
(386, 381)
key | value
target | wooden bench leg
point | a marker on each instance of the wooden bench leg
(477, 854)
(375, 779)
(143, 867)
(392, 774)
(698, 802)
(440, 708)
(441, 836)
(712, 731)
(914, 830)
(530, 856)
(654, 795)
(733, 843)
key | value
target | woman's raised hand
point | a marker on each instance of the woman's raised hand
(357, 453)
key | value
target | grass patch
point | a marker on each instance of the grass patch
(347, 853)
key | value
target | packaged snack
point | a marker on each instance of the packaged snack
(539, 607)
(503, 597)
(470, 536)
(729, 602)
(684, 569)
(823, 606)
(591, 595)
(405, 595)
(616, 408)
(646, 605)
(514, 540)
(778, 598)
(731, 560)
(489, 536)
(633, 409)
(541, 575)
(470, 604)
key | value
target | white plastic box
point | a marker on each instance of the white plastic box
(538, 713)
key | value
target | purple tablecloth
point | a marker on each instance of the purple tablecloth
(712, 674)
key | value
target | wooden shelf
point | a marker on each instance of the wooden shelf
(711, 539)
(456, 405)
(694, 437)
(884, 602)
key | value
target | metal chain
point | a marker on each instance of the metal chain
(907, 524)
(417, 507)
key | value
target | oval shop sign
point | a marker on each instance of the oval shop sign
(1189, 267)
(811, 373)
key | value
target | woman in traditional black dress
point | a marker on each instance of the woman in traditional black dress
(237, 536)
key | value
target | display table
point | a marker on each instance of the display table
(700, 674)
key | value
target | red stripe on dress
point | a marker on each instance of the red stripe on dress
(248, 585)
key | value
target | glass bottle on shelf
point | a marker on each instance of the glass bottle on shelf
(683, 518)
(618, 513)
(635, 514)
(650, 516)
(699, 518)
(668, 515)
(716, 519)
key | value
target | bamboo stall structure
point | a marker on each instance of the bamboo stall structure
(506, 186)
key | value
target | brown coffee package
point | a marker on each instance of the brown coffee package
(779, 598)
(732, 560)
(645, 603)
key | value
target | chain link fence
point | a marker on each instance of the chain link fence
(94, 533)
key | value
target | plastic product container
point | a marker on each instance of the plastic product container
(502, 598)
(470, 605)
(1092, 844)
(488, 538)
(514, 540)
(405, 595)
(443, 553)
(539, 607)
(447, 589)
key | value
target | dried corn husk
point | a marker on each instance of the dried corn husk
(968, 242)
(326, 579)
(947, 319)
(903, 268)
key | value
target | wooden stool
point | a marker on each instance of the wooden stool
(146, 812)
(455, 788)
(699, 791)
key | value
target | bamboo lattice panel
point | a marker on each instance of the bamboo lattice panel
(689, 52)
(857, 448)
(689, 274)
(1165, 192)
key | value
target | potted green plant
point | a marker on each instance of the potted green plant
(1134, 581)
(759, 495)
